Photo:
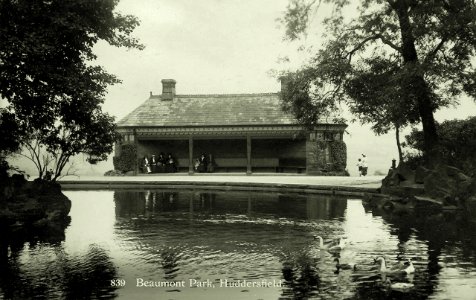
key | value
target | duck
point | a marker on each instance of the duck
(404, 269)
(330, 246)
(348, 266)
(399, 286)
(410, 268)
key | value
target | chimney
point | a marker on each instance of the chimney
(168, 89)
(285, 79)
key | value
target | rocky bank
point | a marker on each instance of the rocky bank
(444, 186)
(32, 206)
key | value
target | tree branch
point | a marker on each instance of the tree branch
(392, 3)
(432, 53)
(377, 36)
(389, 43)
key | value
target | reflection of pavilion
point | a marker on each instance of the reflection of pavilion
(151, 202)
(240, 233)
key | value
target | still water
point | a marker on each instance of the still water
(217, 245)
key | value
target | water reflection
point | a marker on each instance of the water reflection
(34, 265)
(202, 204)
(171, 235)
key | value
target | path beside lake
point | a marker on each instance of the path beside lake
(294, 182)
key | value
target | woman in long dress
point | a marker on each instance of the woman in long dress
(147, 165)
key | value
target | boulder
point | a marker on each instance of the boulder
(447, 184)
(470, 206)
(420, 174)
(402, 175)
(33, 201)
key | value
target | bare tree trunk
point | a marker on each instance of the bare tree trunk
(399, 146)
(416, 86)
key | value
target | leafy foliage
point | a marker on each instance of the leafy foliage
(127, 160)
(394, 64)
(47, 75)
(339, 155)
(457, 140)
(9, 133)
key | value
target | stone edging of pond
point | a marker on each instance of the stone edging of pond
(238, 186)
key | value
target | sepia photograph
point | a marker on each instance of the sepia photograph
(225, 149)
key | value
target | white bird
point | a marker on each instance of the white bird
(406, 268)
(399, 286)
(332, 246)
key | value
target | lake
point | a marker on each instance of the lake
(203, 244)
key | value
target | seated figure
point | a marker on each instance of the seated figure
(153, 163)
(203, 162)
(146, 164)
(170, 164)
(196, 164)
(161, 163)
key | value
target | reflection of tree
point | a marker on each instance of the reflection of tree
(301, 278)
(40, 276)
(437, 229)
(88, 276)
(170, 257)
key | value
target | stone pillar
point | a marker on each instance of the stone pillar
(315, 153)
(190, 155)
(136, 142)
(117, 149)
(311, 163)
(248, 155)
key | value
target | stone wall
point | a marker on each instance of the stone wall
(319, 154)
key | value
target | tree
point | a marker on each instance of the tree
(457, 143)
(94, 137)
(378, 103)
(47, 75)
(417, 52)
(9, 140)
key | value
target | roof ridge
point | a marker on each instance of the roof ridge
(218, 95)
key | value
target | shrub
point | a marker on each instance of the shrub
(338, 155)
(127, 160)
(457, 144)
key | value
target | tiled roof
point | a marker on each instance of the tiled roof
(210, 110)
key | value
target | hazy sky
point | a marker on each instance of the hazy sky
(218, 46)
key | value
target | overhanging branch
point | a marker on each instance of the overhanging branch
(377, 36)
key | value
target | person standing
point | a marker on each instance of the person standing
(359, 165)
(364, 165)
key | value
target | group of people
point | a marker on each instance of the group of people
(160, 164)
(362, 165)
(205, 163)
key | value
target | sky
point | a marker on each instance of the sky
(222, 46)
